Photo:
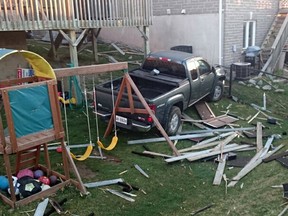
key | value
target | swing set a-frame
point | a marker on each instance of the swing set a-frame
(127, 84)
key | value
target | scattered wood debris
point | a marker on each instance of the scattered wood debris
(41, 207)
(220, 170)
(141, 170)
(120, 194)
(202, 209)
(103, 183)
(255, 161)
(209, 117)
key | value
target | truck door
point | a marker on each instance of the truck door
(195, 81)
(206, 77)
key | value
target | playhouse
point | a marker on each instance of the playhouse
(31, 118)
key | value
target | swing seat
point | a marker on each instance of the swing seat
(68, 101)
(85, 155)
(111, 146)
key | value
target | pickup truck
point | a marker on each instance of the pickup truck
(170, 81)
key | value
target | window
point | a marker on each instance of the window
(193, 70)
(249, 33)
(203, 67)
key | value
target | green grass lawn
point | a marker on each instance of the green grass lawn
(180, 188)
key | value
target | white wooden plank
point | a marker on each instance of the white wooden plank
(253, 163)
(197, 147)
(157, 154)
(220, 170)
(259, 140)
(227, 148)
(193, 157)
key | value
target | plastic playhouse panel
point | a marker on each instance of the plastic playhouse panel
(31, 110)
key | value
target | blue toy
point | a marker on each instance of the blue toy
(4, 183)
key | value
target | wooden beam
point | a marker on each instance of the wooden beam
(231, 147)
(259, 141)
(254, 162)
(151, 113)
(176, 137)
(220, 170)
(91, 69)
(197, 147)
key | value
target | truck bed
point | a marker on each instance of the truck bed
(149, 86)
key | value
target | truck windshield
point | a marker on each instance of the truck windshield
(165, 67)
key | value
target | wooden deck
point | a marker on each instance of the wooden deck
(19, 15)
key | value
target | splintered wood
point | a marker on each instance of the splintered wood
(220, 170)
(220, 145)
(255, 161)
(209, 117)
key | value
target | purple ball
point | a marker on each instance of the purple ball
(38, 173)
(53, 180)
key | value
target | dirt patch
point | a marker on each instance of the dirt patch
(85, 172)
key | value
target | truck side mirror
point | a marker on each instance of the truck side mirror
(213, 69)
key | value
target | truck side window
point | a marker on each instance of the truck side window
(192, 69)
(203, 67)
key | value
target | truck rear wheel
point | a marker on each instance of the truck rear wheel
(173, 121)
(217, 92)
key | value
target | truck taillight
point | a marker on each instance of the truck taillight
(164, 59)
(153, 108)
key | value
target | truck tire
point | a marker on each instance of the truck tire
(173, 121)
(217, 92)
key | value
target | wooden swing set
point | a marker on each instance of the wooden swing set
(130, 87)
(25, 100)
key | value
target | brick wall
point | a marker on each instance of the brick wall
(191, 6)
(235, 13)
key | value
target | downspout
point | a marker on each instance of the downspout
(220, 31)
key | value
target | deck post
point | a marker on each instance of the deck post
(73, 48)
(146, 41)
(95, 34)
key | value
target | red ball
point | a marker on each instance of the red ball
(59, 149)
(44, 180)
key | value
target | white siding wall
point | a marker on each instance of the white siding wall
(200, 31)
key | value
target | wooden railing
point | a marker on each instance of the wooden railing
(18, 15)
(277, 48)
(283, 4)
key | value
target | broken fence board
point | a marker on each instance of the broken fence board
(254, 117)
(227, 140)
(244, 172)
(220, 121)
(225, 150)
(253, 163)
(259, 141)
(220, 170)
(120, 195)
(41, 207)
(204, 110)
(177, 137)
(269, 154)
(273, 157)
(218, 130)
(103, 183)
(198, 147)
(205, 153)
(157, 154)
(206, 143)
(220, 136)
